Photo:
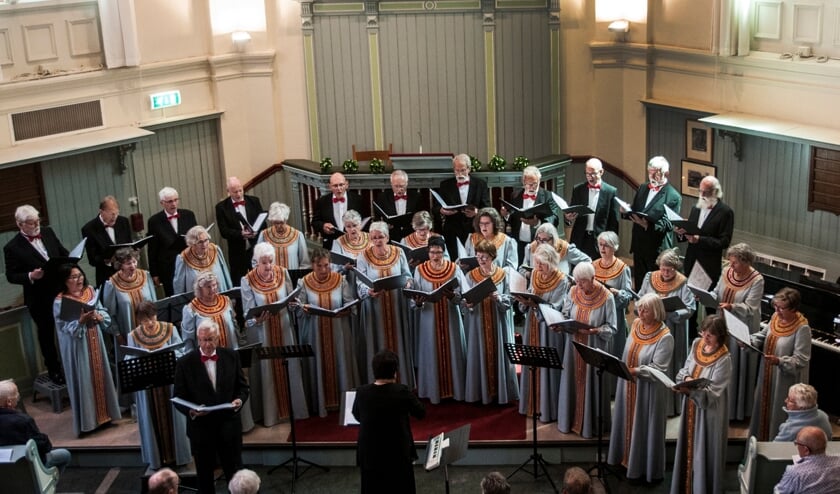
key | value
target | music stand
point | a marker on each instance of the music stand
(145, 374)
(534, 357)
(457, 441)
(602, 361)
(289, 352)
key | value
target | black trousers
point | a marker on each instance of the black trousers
(223, 441)
(42, 316)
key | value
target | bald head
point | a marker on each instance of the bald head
(813, 439)
(234, 189)
(8, 394)
(164, 481)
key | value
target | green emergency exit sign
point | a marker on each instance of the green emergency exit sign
(165, 99)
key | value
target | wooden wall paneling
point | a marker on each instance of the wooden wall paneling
(342, 67)
(523, 74)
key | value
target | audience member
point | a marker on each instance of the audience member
(327, 218)
(234, 216)
(576, 481)
(244, 482)
(25, 257)
(167, 228)
(460, 189)
(386, 450)
(652, 233)
(17, 428)
(102, 232)
(164, 481)
(495, 483)
(801, 408)
(212, 375)
(599, 196)
(815, 472)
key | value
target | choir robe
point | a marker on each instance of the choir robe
(290, 250)
(792, 344)
(618, 276)
(535, 333)
(506, 253)
(702, 468)
(121, 298)
(156, 415)
(570, 256)
(333, 370)
(677, 322)
(579, 395)
(489, 326)
(441, 351)
(343, 246)
(188, 266)
(745, 297)
(384, 319)
(269, 391)
(90, 384)
(637, 436)
(223, 314)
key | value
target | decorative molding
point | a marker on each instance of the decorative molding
(768, 19)
(83, 35)
(239, 65)
(6, 56)
(807, 23)
(522, 4)
(400, 7)
(338, 8)
(39, 42)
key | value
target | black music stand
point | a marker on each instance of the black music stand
(534, 357)
(458, 440)
(602, 361)
(289, 352)
(145, 374)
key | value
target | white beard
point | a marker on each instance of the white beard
(706, 202)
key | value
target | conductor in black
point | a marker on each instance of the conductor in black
(386, 447)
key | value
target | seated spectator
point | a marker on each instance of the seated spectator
(164, 481)
(576, 481)
(495, 483)
(17, 427)
(815, 472)
(244, 482)
(801, 407)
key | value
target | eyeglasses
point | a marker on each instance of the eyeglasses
(435, 252)
(32, 222)
(780, 308)
(485, 223)
(76, 277)
(592, 174)
(543, 240)
(483, 257)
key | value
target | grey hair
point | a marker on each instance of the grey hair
(381, 227)
(278, 212)
(192, 234)
(204, 278)
(263, 249)
(167, 192)
(26, 212)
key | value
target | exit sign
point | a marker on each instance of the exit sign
(165, 99)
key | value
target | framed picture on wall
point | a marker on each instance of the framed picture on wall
(692, 174)
(699, 140)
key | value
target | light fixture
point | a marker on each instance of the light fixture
(240, 40)
(619, 26)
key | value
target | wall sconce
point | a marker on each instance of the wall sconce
(240, 40)
(619, 26)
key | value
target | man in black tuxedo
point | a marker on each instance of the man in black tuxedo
(461, 189)
(599, 196)
(653, 233)
(212, 375)
(329, 209)
(522, 228)
(107, 229)
(231, 214)
(26, 255)
(399, 200)
(168, 228)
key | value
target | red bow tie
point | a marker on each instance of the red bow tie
(465, 182)
(236, 204)
(533, 197)
(654, 188)
(594, 187)
(205, 358)
(400, 198)
(32, 238)
(173, 216)
(338, 199)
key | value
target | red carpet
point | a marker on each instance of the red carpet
(489, 423)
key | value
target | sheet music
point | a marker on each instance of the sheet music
(462, 251)
(661, 377)
(79, 250)
(443, 204)
(518, 283)
(559, 201)
(347, 417)
(739, 330)
(699, 278)
(201, 408)
(551, 315)
(258, 222)
(672, 215)
(6, 455)
(624, 205)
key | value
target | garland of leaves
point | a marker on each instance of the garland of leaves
(520, 162)
(350, 166)
(496, 163)
(376, 166)
(475, 164)
(326, 165)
